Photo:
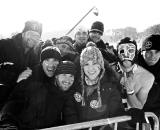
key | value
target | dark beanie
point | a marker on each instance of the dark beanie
(152, 42)
(97, 27)
(33, 26)
(66, 67)
(50, 52)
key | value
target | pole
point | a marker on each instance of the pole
(79, 21)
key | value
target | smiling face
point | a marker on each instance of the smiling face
(92, 70)
(151, 57)
(65, 81)
(95, 36)
(49, 66)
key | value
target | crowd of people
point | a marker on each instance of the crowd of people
(65, 81)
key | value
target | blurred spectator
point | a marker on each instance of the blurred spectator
(81, 38)
(65, 44)
(17, 54)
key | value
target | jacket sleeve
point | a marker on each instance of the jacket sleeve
(116, 105)
(69, 111)
(15, 104)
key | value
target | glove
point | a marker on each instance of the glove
(137, 116)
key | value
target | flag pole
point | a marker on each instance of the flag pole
(80, 21)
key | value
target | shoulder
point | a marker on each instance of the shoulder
(144, 74)
(145, 77)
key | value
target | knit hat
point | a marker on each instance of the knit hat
(94, 54)
(50, 52)
(66, 67)
(97, 27)
(33, 26)
(65, 40)
(91, 52)
(152, 42)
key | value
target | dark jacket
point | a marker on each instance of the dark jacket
(38, 103)
(99, 44)
(111, 100)
(12, 51)
(79, 47)
(153, 101)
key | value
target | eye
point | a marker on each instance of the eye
(131, 50)
(121, 51)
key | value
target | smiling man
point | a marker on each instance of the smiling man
(149, 58)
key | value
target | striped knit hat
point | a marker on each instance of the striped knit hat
(66, 67)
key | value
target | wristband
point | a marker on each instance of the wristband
(130, 92)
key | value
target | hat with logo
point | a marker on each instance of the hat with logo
(151, 42)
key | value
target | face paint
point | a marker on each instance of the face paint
(126, 51)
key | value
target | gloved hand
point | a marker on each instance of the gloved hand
(137, 116)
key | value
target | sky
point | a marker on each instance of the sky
(58, 15)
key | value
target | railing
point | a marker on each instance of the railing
(155, 119)
(102, 122)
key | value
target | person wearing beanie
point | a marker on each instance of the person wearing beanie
(65, 44)
(18, 55)
(95, 34)
(134, 93)
(96, 93)
(36, 102)
(65, 75)
(33, 25)
(149, 58)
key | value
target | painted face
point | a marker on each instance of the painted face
(31, 38)
(49, 66)
(81, 36)
(151, 57)
(126, 51)
(65, 81)
(95, 36)
(92, 70)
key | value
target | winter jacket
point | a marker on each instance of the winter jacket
(12, 62)
(111, 100)
(100, 44)
(38, 103)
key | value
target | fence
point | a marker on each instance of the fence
(114, 120)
